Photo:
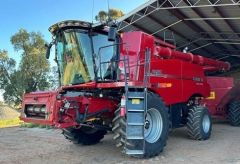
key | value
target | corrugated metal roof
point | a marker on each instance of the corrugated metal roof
(207, 27)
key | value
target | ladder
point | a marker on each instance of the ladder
(135, 103)
(136, 107)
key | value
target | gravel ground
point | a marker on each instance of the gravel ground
(20, 145)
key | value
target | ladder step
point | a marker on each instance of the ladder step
(132, 152)
(135, 97)
(135, 110)
(135, 94)
(136, 124)
(135, 138)
(134, 130)
(133, 87)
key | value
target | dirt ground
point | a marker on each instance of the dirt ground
(21, 145)
(7, 112)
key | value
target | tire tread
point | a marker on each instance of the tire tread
(194, 123)
(234, 113)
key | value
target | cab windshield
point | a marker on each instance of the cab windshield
(78, 56)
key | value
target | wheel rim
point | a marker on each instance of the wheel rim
(153, 125)
(206, 123)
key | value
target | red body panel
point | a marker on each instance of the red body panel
(232, 95)
(181, 76)
(185, 76)
(220, 86)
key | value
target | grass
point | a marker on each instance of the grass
(5, 123)
(32, 125)
(10, 122)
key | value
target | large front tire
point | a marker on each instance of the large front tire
(199, 123)
(234, 113)
(83, 136)
(156, 127)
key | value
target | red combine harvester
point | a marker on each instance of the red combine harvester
(132, 84)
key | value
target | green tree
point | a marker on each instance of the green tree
(113, 14)
(33, 71)
(33, 65)
(102, 16)
(54, 78)
(8, 78)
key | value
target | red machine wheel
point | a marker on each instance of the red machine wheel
(234, 113)
(199, 123)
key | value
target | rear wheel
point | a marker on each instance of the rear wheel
(156, 127)
(234, 113)
(199, 123)
(84, 136)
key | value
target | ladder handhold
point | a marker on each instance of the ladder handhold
(122, 111)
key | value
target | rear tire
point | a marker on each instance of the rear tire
(84, 136)
(234, 113)
(199, 125)
(119, 129)
(156, 137)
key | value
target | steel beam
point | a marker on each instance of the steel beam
(190, 24)
(176, 32)
(172, 5)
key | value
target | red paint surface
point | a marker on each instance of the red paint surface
(221, 87)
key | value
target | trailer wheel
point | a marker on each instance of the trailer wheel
(84, 136)
(156, 127)
(234, 113)
(199, 123)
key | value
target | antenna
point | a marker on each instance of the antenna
(92, 9)
(109, 19)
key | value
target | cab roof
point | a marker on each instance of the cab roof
(68, 24)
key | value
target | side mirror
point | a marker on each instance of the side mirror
(49, 46)
(112, 33)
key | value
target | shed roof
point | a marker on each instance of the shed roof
(210, 28)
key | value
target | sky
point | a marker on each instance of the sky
(39, 15)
